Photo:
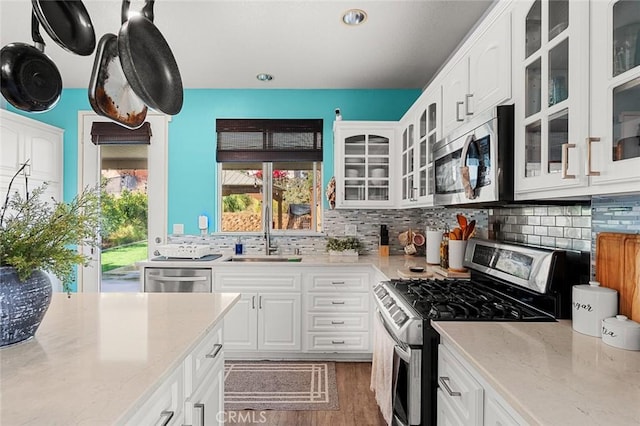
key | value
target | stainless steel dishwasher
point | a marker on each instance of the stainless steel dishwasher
(177, 280)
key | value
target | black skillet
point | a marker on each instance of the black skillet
(147, 61)
(110, 95)
(68, 23)
(30, 80)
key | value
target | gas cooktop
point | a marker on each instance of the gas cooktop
(462, 300)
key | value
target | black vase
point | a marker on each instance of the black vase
(22, 304)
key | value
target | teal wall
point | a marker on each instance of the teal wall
(192, 167)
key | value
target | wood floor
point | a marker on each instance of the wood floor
(357, 404)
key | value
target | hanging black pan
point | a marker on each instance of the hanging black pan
(30, 80)
(110, 94)
(148, 62)
(68, 23)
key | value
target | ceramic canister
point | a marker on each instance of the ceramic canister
(590, 305)
(621, 332)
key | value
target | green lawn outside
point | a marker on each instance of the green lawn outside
(123, 255)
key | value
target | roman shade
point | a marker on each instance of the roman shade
(105, 133)
(251, 140)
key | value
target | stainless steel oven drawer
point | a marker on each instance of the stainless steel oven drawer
(177, 280)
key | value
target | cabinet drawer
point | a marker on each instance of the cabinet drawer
(341, 282)
(338, 322)
(167, 401)
(338, 342)
(203, 358)
(464, 394)
(336, 302)
(268, 280)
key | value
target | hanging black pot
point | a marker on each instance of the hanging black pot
(147, 61)
(30, 81)
(68, 23)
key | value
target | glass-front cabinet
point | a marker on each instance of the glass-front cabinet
(550, 58)
(363, 163)
(420, 128)
(614, 143)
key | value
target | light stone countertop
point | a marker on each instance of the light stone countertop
(387, 265)
(94, 355)
(550, 374)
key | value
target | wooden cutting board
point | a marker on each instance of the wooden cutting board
(618, 267)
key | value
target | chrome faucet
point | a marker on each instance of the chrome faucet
(269, 249)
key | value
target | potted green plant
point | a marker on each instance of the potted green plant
(347, 246)
(38, 236)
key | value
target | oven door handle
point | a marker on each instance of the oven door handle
(399, 349)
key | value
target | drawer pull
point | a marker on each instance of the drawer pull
(444, 383)
(338, 282)
(337, 322)
(216, 350)
(165, 418)
(199, 407)
(337, 342)
(458, 104)
(336, 302)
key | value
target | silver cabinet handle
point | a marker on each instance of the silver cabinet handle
(259, 302)
(335, 302)
(565, 160)
(337, 342)
(165, 417)
(458, 111)
(590, 172)
(444, 382)
(467, 99)
(337, 322)
(338, 282)
(176, 279)
(200, 407)
(253, 302)
(216, 350)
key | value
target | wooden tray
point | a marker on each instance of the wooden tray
(618, 267)
(450, 274)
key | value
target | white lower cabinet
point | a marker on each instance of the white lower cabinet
(464, 397)
(192, 393)
(338, 313)
(268, 315)
(206, 404)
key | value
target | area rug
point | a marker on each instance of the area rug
(280, 385)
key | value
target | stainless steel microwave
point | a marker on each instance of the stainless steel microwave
(474, 164)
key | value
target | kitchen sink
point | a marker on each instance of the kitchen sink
(264, 259)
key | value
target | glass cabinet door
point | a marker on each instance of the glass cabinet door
(614, 145)
(408, 152)
(366, 169)
(551, 120)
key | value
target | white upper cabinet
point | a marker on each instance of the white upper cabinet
(363, 163)
(23, 139)
(613, 160)
(481, 78)
(421, 128)
(551, 61)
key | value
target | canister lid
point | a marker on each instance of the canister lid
(621, 321)
(594, 286)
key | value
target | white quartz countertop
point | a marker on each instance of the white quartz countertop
(388, 265)
(94, 355)
(551, 374)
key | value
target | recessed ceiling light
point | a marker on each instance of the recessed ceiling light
(264, 77)
(354, 17)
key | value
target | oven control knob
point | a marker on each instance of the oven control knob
(387, 302)
(401, 319)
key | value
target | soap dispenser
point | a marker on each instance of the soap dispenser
(239, 248)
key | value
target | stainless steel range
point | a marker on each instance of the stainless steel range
(508, 282)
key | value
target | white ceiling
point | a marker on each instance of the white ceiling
(303, 43)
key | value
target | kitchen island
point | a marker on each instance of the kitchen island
(97, 357)
(550, 374)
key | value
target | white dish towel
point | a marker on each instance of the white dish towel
(383, 371)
